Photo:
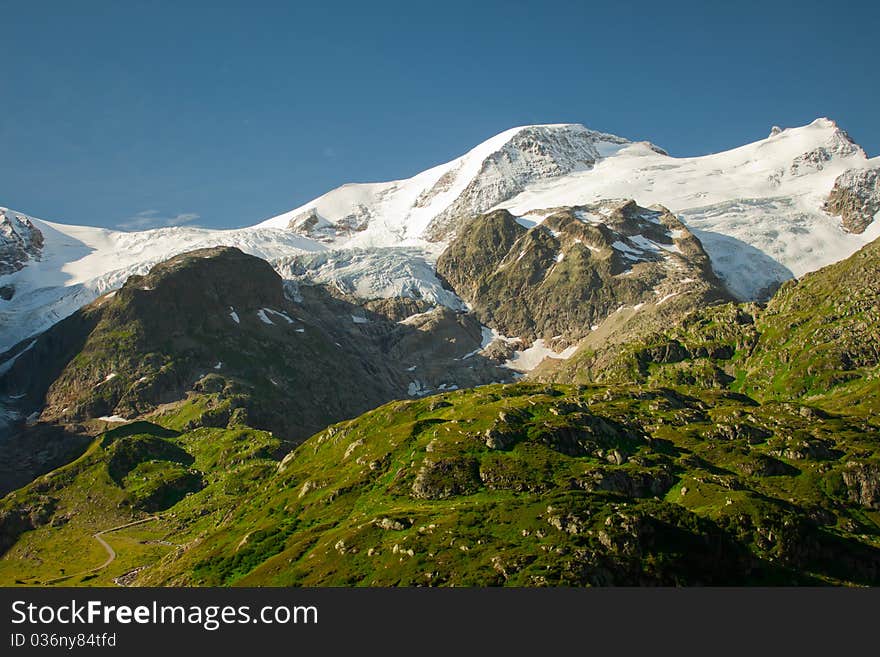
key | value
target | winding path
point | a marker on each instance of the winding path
(111, 553)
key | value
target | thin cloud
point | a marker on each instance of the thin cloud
(155, 219)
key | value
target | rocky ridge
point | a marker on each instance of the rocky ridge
(571, 268)
(20, 241)
(217, 331)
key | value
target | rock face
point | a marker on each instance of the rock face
(557, 279)
(20, 241)
(863, 484)
(16, 521)
(855, 198)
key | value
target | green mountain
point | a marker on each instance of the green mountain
(737, 444)
(817, 339)
(213, 338)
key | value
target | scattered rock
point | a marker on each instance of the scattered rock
(862, 481)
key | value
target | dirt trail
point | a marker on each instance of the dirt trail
(111, 553)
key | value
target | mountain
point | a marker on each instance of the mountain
(764, 213)
(216, 337)
(563, 358)
(197, 324)
(430, 205)
(736, 445)
(759, 210)
(817, 339)
(571, 268)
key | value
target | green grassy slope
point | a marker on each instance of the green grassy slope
(522, 484)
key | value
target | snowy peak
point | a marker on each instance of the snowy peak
(429, 205)
(828, 141)
(758, 209)
(556, 165)
(765, 212)
(533, 153)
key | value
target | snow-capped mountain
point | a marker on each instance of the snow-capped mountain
(76, 264)
(758, 209)
(427, 206)
(763, 212)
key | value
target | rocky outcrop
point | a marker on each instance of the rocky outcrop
(442, 478)
(20, 241)
(855, 198)
(556, 274)
(862, 481)
(838, 144)
(310, 223)
(20, 519)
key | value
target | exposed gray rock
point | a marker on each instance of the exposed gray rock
(446, 477)
(629, 483)
(310, 223)
(576, 268)
(20, 241)
(863, 483)
(761, 465)
(855, 198)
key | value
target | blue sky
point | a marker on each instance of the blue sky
(225, 113)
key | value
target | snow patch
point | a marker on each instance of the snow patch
(109, 377)
(529, 358)
(417, 389)
(113, 418)
(277, 313)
